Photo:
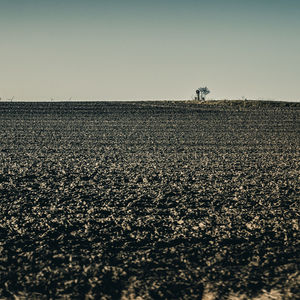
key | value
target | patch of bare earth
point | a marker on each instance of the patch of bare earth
(149, 201)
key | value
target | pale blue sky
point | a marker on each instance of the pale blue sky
(143, 50)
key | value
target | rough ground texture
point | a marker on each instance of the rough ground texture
(151, 200)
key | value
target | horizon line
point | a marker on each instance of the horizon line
(148, 100)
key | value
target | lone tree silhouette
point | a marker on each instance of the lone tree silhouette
(202, 92)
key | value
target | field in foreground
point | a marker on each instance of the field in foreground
(157, 200)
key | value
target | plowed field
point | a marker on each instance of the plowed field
(162, 200)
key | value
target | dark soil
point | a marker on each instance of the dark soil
(157, 200)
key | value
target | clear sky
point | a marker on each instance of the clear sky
(143, 50)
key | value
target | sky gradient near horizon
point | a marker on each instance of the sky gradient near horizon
(147, 50)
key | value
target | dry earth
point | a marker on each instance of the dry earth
(149, 200)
